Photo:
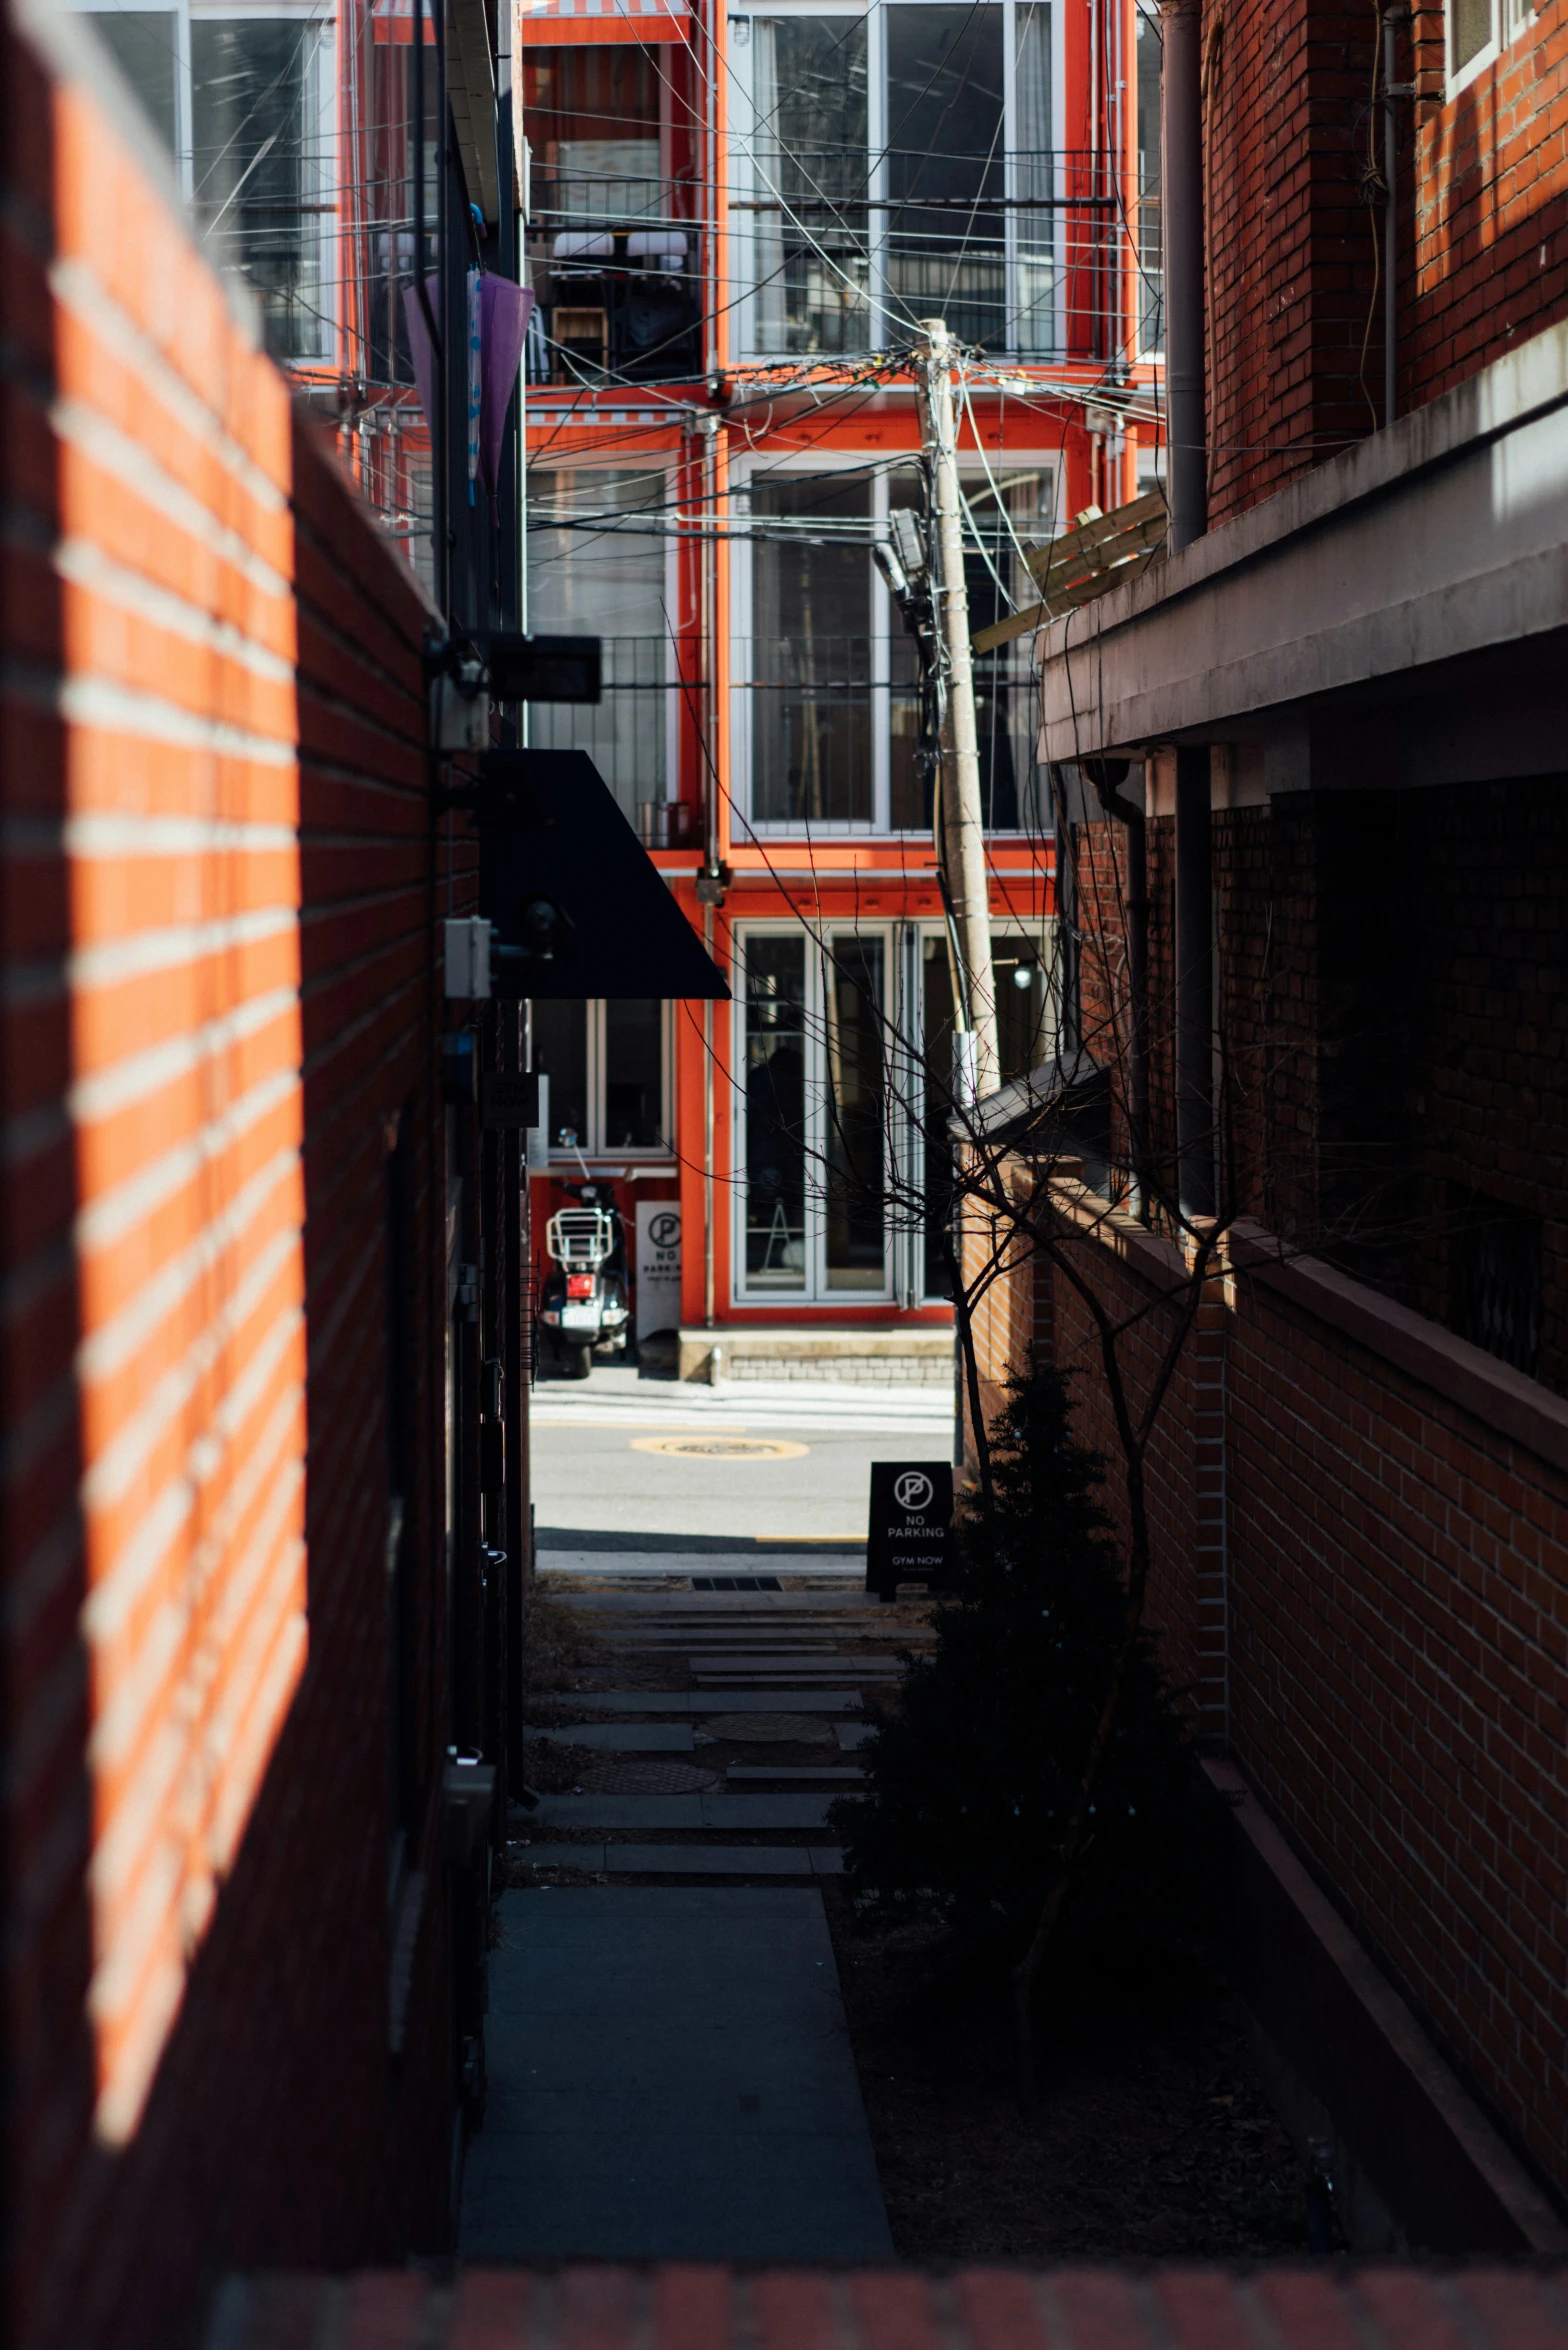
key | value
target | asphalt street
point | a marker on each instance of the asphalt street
(602, 1462)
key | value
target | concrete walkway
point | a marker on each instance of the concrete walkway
(670, 2079)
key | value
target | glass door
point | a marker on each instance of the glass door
(813, 1117)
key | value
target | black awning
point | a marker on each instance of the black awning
(576, 904)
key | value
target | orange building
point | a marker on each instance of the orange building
(736, 221)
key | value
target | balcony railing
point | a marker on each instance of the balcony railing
(627, 733)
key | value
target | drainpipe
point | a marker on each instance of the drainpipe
(1181, 197)
(1390, 224)
(1194, 985)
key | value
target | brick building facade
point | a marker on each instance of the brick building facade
(1320, 733)
(246, 1617)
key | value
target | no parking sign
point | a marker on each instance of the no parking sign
(911, 1521)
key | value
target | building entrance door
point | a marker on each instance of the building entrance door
(812, 1118)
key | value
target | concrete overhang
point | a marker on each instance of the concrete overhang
(1424, 571)
(471, 88)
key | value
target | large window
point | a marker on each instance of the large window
(811, 671)
(1151, 255)
(846, 1052)
(247, 106)
(899, 164)
(593, 572)
(814, 1117)
(608, 1065)
(1478, 30)
(809, 160)
(831, 692)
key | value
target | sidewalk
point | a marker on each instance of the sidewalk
(670, 2079)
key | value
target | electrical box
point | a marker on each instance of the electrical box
(466, 945)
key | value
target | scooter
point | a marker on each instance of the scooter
(584, 1301)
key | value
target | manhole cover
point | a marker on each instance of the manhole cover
(722, 1448)
(769, 1729)
(647, 1778)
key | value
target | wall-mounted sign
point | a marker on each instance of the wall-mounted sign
(658, 1266)
(510, 1101)
(911, 1521)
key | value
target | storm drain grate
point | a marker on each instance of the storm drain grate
(649, 1778)
(736, 1583)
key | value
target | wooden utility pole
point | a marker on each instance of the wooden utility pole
(961, 834)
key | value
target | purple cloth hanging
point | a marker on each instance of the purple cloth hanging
(504, 315)
(505, 310)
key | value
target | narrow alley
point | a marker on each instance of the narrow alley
(783, 1175)
(669, 2067)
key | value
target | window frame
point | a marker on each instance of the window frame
(884, 625)
(1509, 20)
(903, 950)
(592, 461)
(814, 1295)
(592, 1145)
(320, 162)
(883, 327)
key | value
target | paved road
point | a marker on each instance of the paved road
(594, 1473)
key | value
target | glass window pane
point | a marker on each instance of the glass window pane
(811, 659)
(809, 145)
(1016, 512)
(257, 162)
(607, 583)
(856, 1114)
(946, 169)
(775, 1114)
(1019, 973)
(1151, 258)
(143, 44)
(560, 1033)
(633, 1076)
(937, 1048)
(1470, 28)
(1034, 331)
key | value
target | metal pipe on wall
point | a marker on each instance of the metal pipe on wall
(1194, 984)
(1390, 227)
(709, 1237)
(1181, 197)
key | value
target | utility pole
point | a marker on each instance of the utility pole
(961, 832)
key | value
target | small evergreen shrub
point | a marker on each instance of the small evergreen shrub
(969, 1785)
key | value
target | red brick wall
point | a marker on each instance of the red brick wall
(1399, 1641)
(1359, 1580)
(1295, 314)
(1489, 242)
(1290, 251)
(218, 889)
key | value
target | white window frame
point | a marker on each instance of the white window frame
(814, 1295)
(884, 620)
(592, 1145)
(904, 945)
(323, 148)
(589, 461)
(1509, 19)
(1042, 927)
(883, 326)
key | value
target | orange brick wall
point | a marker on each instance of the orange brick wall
(217, 1015)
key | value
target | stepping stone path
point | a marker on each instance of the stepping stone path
(669, 2068)
(793, 1665)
